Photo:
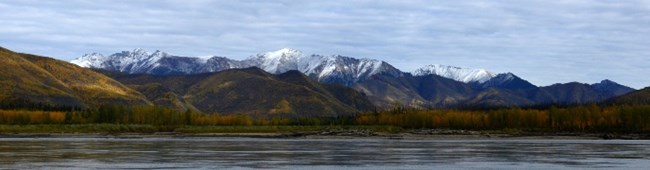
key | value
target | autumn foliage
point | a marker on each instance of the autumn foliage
(121, 115)
(591, 118)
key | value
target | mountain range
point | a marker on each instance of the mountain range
(280, 83)
(385, 85)
(328, 69)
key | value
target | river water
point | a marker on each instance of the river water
(252, 153)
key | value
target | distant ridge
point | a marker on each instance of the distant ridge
(433, 85)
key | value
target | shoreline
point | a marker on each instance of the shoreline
(350, 134)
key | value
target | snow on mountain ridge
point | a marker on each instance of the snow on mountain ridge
(466, 75)
(331, 69)
(334, 68)
(89, 60)
(279, 61)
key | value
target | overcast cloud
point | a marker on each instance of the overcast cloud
(542, 41)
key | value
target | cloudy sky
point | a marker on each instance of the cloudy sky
(542, 41)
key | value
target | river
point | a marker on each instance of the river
(355, 153)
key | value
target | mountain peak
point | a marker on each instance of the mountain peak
(282, 53)
(611, 86)
(159, 53)
(289, 50)
(507, 80)
(92, 55)
(89, 60)
(507, 76)
(139, 50)
(136, 52)
(456, 73)
(607, 81)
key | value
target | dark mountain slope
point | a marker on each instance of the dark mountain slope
(639, 97)
(611, 89)
(387, 91)
(495, 97)
(414, 91)
(441, 91)
(507, 81)
(573, 93)
(162, 96)
(256, 92)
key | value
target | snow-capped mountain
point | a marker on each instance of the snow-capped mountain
(329, 69)
(467, 75)
(136, 61)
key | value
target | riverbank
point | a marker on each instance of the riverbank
(308, 132)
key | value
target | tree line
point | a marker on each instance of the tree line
(151, 115)
(586, 118)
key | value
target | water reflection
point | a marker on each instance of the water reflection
(210, 153)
